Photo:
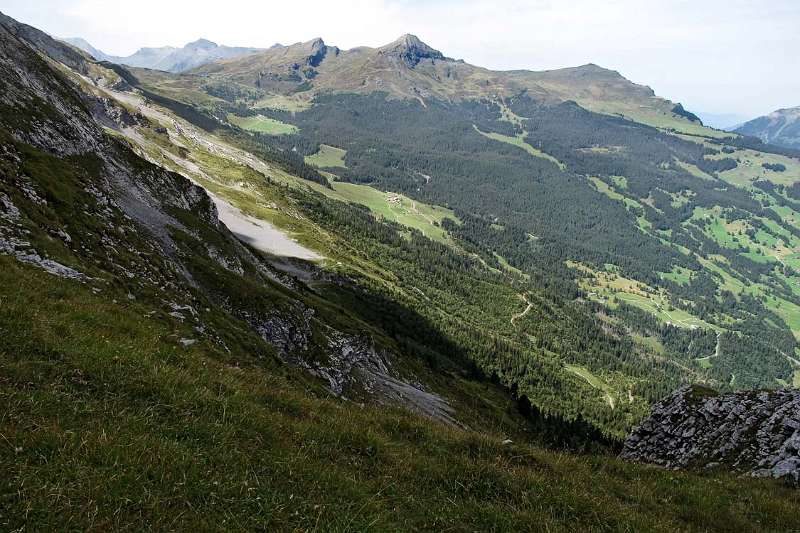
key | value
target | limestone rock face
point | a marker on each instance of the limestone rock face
(411, 50)
(754, 433)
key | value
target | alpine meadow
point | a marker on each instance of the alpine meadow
(376, 288)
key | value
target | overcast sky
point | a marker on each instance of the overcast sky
(715, 56)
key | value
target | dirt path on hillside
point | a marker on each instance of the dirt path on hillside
(525, 312)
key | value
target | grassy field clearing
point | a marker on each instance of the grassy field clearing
(262, 124)
(508, 267)
(519, 142)
(611, 289)
(775, 244)
(750, 166)
(292, 104)
(395, 207)
(679, 275)
(652, 117)
(621, 182)
(327, 157)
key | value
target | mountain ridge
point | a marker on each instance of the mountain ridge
(168, 58)
(781, 127)
(409, 68)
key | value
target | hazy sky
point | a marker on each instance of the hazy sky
(715, 56)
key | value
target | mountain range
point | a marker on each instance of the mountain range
(381, 288)
(168, 58)
(408, 68)
(781, 127)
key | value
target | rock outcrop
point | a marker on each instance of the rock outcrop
(753, 433)
(411, 50)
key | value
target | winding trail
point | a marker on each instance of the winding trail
(525, 312)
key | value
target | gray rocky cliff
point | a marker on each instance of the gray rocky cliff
(754, 433)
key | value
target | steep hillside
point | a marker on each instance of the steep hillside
(79, 204)
(168, 58)
(157, 373)
(781, 127)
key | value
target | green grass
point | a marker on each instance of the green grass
(262, 124)
(395, 207)
(597, 383)
(652, 342)
(659, 308)
(519, 142)
(651, 116)
(694, 171)
(593, 380)
(705, 362)
(611, 289)
(679, 275)
(604, 188)
(788, 311)
(292, 104)
(750, 167)
(327, 157)
(109, 424)
(508, 267)
(621, 182)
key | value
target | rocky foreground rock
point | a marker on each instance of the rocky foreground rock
(754, 433)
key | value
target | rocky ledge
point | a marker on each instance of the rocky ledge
(754, 433)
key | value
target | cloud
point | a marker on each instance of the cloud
(714, 55)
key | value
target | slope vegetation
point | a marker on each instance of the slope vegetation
(158, 373)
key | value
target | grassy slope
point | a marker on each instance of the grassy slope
(610, 289)
(327, 157)
(397, 208)
(261, 124)
(519, 142)
(109, 424)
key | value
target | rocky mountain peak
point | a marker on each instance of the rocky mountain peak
(316, 49)
(316, 43)
(201, 44)
(411, 50)
(754, 432)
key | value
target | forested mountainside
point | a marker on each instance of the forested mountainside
(168, 58)
(159, 369)
(781, 128)
(677, 239)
